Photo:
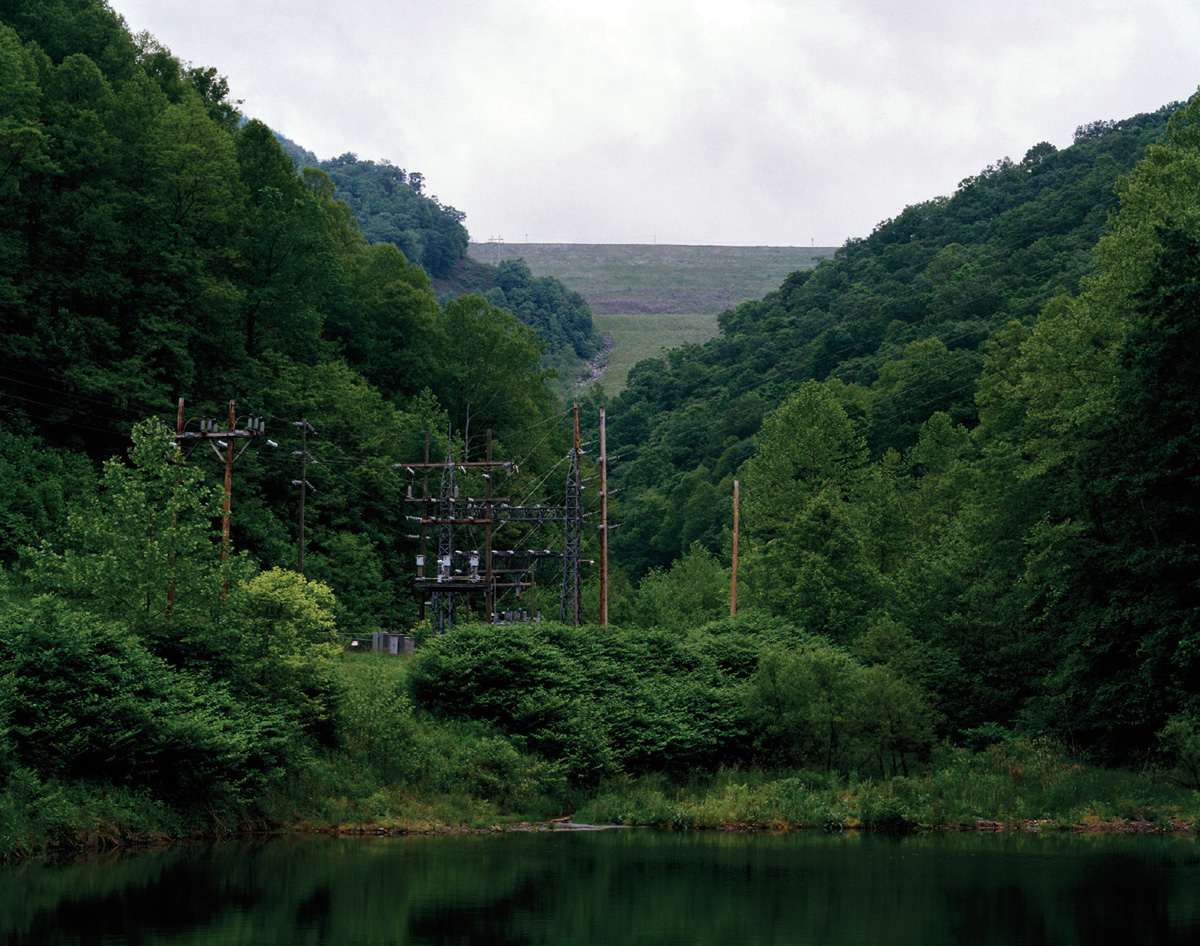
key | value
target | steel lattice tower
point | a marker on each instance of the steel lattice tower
(569, 610)
(442, 602)
(492, 572)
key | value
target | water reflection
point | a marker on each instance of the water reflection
(628, 887)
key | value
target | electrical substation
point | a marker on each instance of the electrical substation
(462, 563)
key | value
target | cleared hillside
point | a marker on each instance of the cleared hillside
(648, 297)
(623, 278)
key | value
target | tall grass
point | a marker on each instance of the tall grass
(38, 815)
(1026, 783)
(401, 770)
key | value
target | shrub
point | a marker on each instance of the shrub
(376, 717)
(83, 699)
(287, 648)
(815, 705)
(1180, 743)
(595, 703)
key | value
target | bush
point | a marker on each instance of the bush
(1180, 743)
(474, 760)
(596, 703)
(287, 649)
(83, 699)
(376, 718)
(815, 705)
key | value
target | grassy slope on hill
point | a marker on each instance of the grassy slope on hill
(637, 336)
(651, 297)
(621, 278)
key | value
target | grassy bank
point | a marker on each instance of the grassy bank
(1027, 785)
(403, 769)
(997, 789)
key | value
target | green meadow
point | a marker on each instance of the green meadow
(638, 335)
(656, 296)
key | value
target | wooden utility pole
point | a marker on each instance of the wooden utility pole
(422, 562)
(489, 578)
(570, 610)
(733, 580)
(303, 483)
(174, 512)
(603, 526)
(211, 432)
(225, 503)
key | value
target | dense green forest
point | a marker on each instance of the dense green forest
(390, 206)
(967, 450)
(154, 247)
(967, 434)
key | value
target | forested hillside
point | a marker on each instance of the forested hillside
(390, 206)
(153, 248)
(560, 316)
(901, 319)
(967, 447)
(964, 443)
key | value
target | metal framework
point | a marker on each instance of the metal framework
(569, 607)
(462, 570)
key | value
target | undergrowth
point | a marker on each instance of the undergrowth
(397, 769)
(1026, 783)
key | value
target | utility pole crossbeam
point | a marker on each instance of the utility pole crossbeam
(223, 439)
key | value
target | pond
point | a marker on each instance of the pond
(620, 886)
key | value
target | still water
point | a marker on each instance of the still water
(626, 887)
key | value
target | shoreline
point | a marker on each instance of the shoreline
(95, 845)
(981, 826)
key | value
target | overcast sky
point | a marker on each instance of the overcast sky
(769, 122)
